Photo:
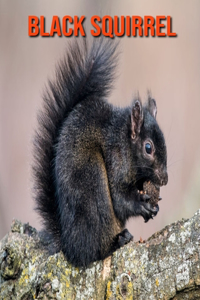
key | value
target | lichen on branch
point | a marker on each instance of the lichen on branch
(166, 266)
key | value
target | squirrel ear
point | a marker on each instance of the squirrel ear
(151, 105)
(136, 118)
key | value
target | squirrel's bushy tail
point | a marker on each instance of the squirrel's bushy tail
(83, 73)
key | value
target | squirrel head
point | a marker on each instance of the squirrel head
(148, 143)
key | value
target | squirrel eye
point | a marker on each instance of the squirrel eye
(148, 148)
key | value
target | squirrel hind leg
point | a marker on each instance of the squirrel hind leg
(86, 217)
(124, 237)
(120, 240)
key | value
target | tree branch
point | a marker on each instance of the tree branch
(166, 266)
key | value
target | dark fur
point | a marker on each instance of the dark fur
(89, 157)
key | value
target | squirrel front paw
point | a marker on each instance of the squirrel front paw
(152, 211)
(148, 211)
(143, 197)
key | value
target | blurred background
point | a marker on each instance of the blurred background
(169, 67)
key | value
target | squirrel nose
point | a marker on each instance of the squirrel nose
(164, 178)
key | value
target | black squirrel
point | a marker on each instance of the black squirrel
(91, 158)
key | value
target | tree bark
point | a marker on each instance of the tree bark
(166, 266)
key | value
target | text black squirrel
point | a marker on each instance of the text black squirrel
(91, 159)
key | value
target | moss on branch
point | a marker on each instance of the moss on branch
(166, 266)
